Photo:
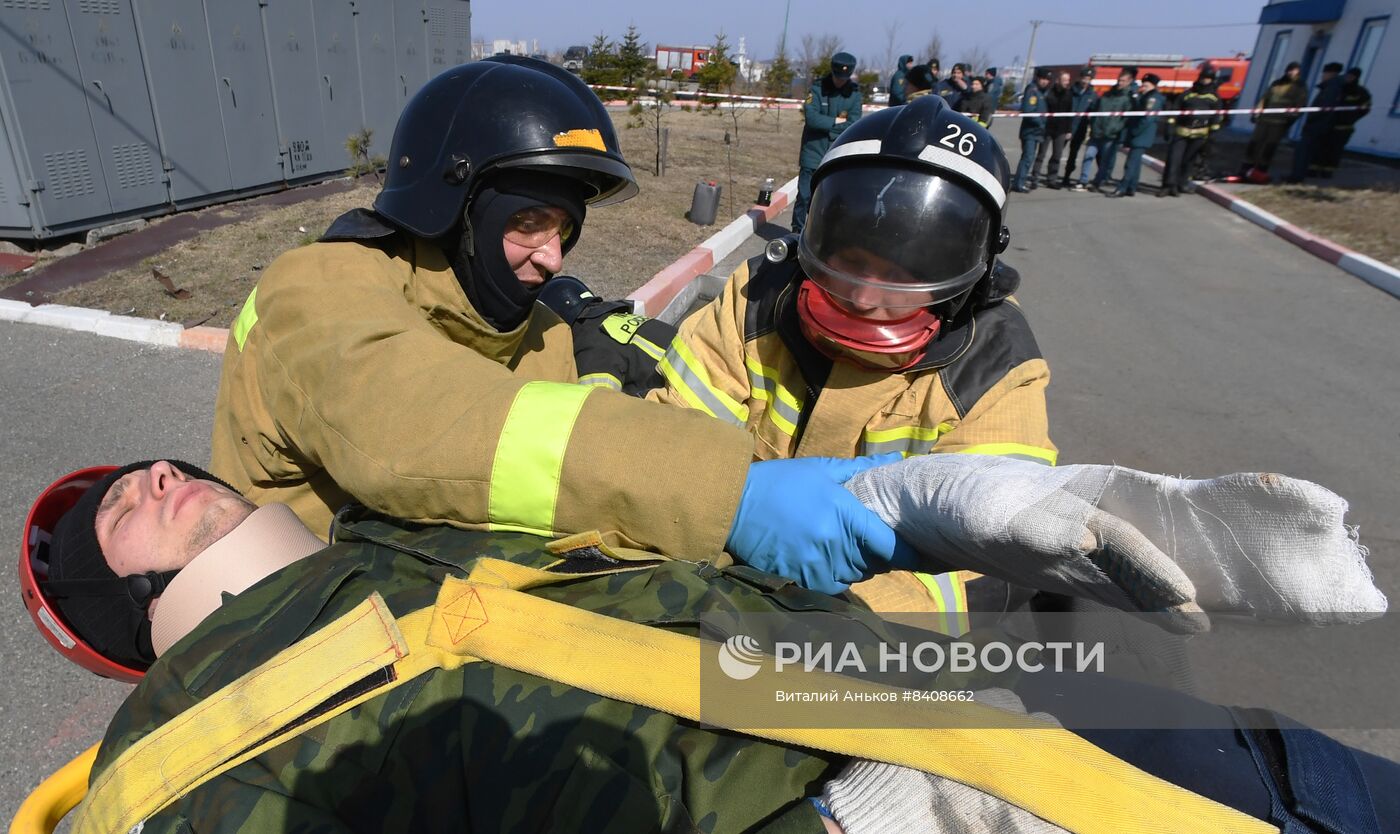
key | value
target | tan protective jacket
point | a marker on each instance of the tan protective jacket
(979, 389)
(362, 370)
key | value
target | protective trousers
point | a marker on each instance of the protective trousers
(1263, 144)
(1180, 156)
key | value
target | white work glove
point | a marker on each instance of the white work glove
(1260, 544)
(870, 797)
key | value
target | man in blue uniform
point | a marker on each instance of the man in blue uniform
(1139, 132)
(898, 81)
(832, 104)
(1032, 129)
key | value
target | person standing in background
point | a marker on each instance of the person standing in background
(1032, 129)
(1343, 123)
(898, 81)
(1082, 100)
(1139, 132)
(1316, 126)
(832, 105)
(1058, 99)
(1270, 128)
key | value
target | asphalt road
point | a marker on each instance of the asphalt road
(1182, 339)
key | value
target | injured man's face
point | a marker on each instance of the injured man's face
(160, 518)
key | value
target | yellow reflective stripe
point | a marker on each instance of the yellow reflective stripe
(685, 373)
(907, 440)
(601, 380)
(949, 597)
(530, 456)
(1012, 450)
(247, 317)
(785, 410)
(648, 347)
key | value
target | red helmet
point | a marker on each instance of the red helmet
(52, 503)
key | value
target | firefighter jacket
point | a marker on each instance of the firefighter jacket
(1141, 131)
(980, 388)
(826, 101)
(428, 679)
(1192, 125)
(358, 369)
(1283, 93)
(1033, 101)
(1329, 94)
(1353, 95)
(1112, 101)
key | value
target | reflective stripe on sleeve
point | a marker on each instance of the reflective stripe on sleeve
(648, 347)
(1020, 451)
(907, 440)
(530, 456)
(784, 410)
(601, 380)
(950, 598)
(685, 373)
(247, 317)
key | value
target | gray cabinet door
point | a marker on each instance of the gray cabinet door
(410, 48)
(53, 132)
(340, 75)
(114, 80)
(291, 38)
(449, 34)
(244, 85)
(181, 67)
(379, 83)
(14, 198)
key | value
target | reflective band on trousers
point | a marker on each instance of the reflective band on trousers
(907, 440)
(783, 408)
(530, 456)
(247, 317)
(687, 375)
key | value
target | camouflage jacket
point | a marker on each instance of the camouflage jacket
(482, 747)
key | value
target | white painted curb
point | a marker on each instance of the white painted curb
(99, 322)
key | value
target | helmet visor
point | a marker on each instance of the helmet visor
(894, 239)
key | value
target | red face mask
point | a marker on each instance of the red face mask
(881, 345)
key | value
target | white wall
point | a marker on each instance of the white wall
(1379, 132)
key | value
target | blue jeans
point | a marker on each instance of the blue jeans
(1030, 143)
(804, 196)
(1131, 171)
(1091, 152)
(1106, 150)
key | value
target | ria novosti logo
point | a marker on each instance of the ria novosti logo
(740, 657)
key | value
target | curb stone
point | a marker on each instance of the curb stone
(653, 296)
(1382, 276)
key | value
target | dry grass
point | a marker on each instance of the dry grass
(622, 246)
(1361, 219)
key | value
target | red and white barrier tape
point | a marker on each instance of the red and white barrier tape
(1101, 114)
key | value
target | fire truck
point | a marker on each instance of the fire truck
(682, 61)
(1176, 71)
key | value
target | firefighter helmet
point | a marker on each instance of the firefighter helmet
(906, 221)
(504, 112)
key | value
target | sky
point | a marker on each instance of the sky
(1001, 29)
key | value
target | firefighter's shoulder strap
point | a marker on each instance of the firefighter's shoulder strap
(1048, 771)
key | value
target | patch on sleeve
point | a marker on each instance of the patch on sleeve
(622, 327)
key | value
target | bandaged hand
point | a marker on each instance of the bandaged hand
(1260, 544)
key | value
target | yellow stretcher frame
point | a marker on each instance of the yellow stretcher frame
(46, 805)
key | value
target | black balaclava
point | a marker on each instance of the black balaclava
(477, 256)
(97, 604)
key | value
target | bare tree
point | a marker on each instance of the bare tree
(976, 57)
(816, 55)
(891, 33)
(933, 50)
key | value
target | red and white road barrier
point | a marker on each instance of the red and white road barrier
(653, 296)
(1382, 276)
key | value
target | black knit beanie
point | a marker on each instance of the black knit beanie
(104, 613)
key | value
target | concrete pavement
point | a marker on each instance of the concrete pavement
(1182, 339)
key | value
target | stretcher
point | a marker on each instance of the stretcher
(46, 805)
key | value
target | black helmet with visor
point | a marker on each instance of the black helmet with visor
(907, 211)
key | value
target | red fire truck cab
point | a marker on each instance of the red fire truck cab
(1177, 72)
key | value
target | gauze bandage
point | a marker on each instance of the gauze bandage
(1260, 544)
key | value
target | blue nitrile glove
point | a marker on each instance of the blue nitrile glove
(796, 520)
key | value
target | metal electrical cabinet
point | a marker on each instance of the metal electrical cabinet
(129, 108)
